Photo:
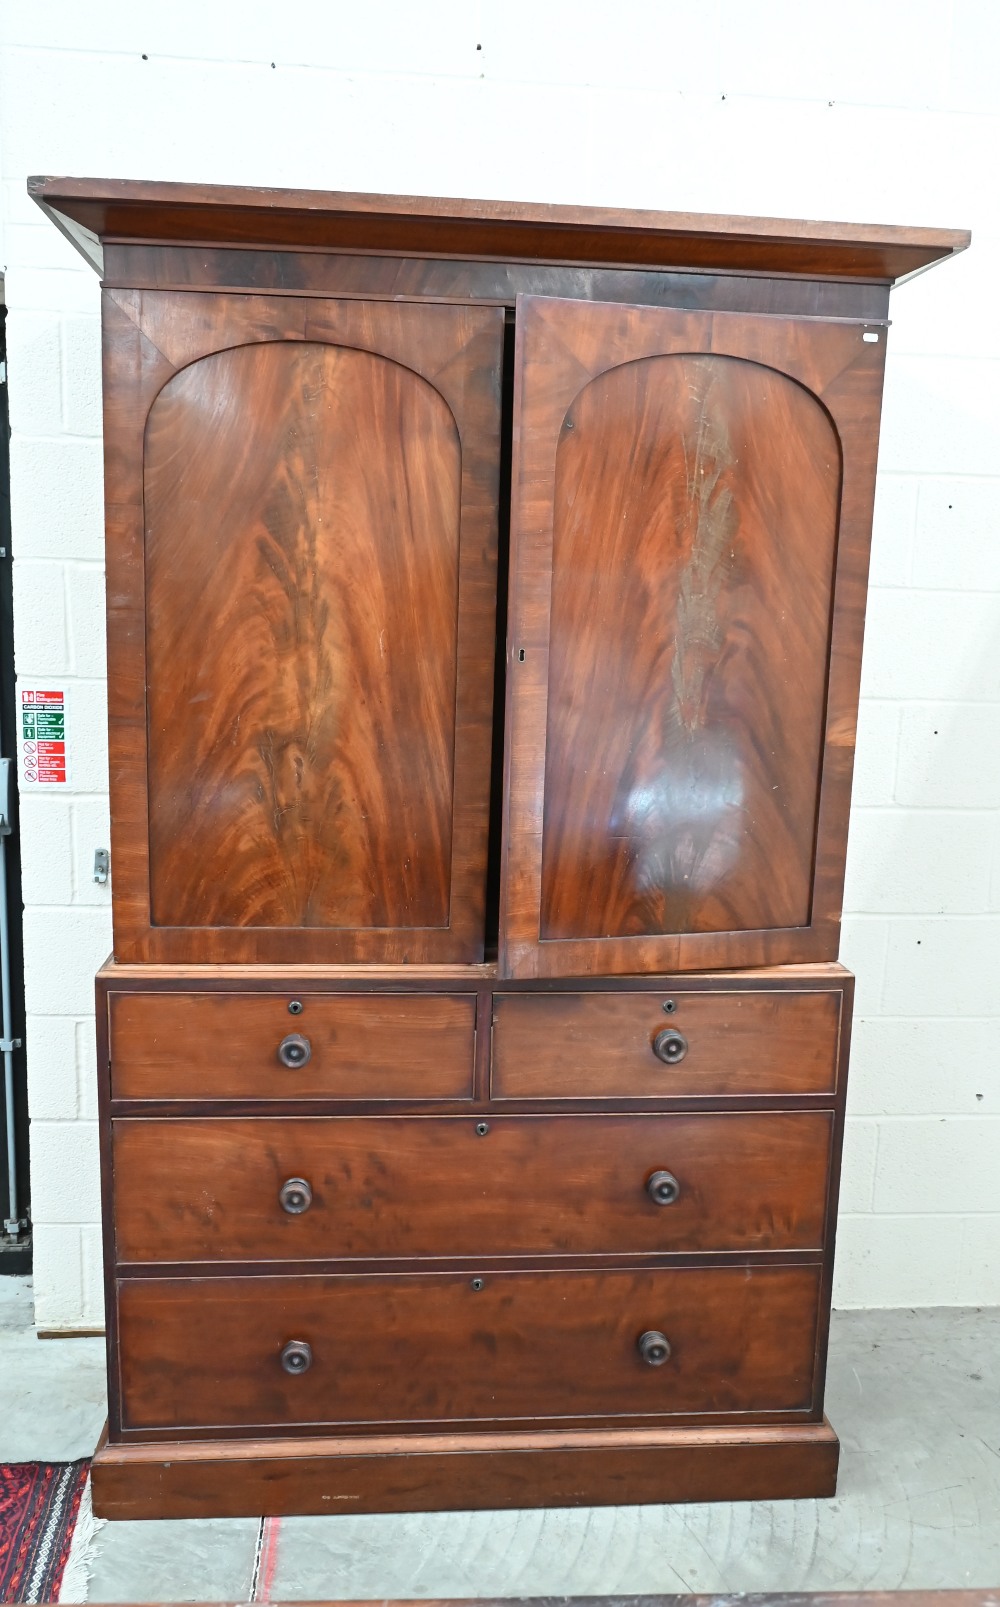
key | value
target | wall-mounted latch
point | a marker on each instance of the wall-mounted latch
(102, 865)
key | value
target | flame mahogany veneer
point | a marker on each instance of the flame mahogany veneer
(486, 589)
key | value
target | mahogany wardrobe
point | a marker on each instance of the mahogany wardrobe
(486, 586)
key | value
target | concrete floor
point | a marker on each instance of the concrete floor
(914, 1395)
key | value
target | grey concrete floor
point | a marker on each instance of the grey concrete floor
(914, 1395)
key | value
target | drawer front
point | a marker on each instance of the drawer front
(601, 1045)
(425, 1348)
(260, 1188)
(248, 1046)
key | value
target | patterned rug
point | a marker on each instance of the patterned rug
(45, 1531)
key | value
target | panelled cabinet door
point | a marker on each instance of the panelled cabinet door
(691, 513)
(302, 503)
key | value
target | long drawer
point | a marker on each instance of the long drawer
(247, 1353)
(655, 1046)
(306, 1046)
(294, 1189)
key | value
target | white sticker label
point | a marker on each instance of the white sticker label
(44, 737)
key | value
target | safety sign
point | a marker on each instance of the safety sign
(44, 738)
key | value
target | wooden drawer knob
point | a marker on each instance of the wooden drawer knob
(296, 1196)
(670, 1046)
(297, 1356)
(654, 1348)
(662, 1188)
(294, 1050)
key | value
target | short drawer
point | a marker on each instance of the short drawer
(653, 1046)
(214, 1353)
(367, 1187)
(250, 1046)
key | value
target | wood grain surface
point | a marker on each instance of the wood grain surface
(205, 1353)
(695, 513)
(463, 1472)
(302, 534)
(301, 560)
(189, 1045)
(691, 518)
(208, 1190)
(597, 1046)
(315, 273)
(435, 225)
(128, 976)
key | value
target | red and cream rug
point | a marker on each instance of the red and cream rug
(46, 1531)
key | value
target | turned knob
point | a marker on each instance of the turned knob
(670, 1046)
(654, 1348)
(662, 1188)
(297, 1356)
(296, 1196)
(294, 1050)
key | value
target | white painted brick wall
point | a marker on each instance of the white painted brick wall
(753, 106)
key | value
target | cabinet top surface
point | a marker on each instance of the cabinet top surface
(444, 977)
(92, 211)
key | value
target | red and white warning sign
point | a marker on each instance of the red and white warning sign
(44, 737)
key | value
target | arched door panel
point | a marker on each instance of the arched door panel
(316, 533)
(677, 528)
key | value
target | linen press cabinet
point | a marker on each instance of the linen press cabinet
(486, 588)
